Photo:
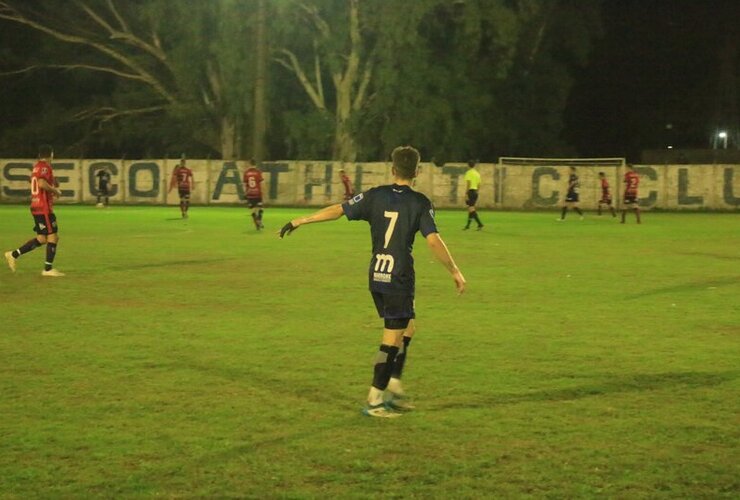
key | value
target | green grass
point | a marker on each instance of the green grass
(199, 358)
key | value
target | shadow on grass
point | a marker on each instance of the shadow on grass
(616, 385)
(170, 263)
(688, 287)
(712, 255)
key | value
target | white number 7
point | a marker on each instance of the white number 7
(393, 216)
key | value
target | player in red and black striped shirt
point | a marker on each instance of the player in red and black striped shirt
(253, 188)
(182, 177)
(606, 196)
(43, 189)
(631, 181)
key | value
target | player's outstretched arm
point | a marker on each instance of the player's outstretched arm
(439, 249)
(332, 212)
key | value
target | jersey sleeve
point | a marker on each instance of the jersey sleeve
(358, 207)
(427, 225)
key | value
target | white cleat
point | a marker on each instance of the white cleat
(53, 273)
(10, 260)
(379, 411)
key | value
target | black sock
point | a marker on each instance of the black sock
(475, 216)
(637, 214)
(470, 218)
(598, 212)
(51, 252)
(99, 197)
(259, 215)
(562, 215)
(578, 211)
(383, 366)
(400, 358)
(187, 205)
(106, 201)
(26, 247)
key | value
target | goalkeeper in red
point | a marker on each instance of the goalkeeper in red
(395, 213)
(43, 190)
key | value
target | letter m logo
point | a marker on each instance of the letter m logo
(383, 263)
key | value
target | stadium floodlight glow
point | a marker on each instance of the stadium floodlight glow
(670, 147)
(722, 135)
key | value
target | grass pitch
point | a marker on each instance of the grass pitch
(198, 357)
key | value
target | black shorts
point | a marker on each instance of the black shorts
(607, 200)
(184, 193)
(571, 197)
(471, 198)
(45, 224)
(254, 202)
(630, 199)
(103, 190)
(394, 306)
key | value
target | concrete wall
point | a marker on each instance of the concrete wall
(524, 187)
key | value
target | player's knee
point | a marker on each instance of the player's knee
(41, 239)
(396, 323)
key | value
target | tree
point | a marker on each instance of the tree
(174, 62)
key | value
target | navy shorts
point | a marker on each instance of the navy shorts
(45, 224)
(571, 197)
(630, 199)
(607, 200)
(254, 202)
(184, 193)
(394, 306)
(471, 198)
(103, 190)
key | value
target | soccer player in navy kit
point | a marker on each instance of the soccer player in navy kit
(571, 198)
(395, 213)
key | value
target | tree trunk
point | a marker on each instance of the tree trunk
(260, 83)
(345, 148)
(228, 138)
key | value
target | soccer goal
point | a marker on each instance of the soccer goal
(531, 183)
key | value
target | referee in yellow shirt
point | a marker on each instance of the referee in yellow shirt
(472, 183)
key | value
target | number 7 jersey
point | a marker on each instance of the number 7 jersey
(395, 213)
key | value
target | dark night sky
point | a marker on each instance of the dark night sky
(657, 64)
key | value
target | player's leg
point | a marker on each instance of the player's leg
(470, 214)
(578, 210)
(624, 213)
(260, 211)
(382, 368)
(395, 395)
(383, 365)
(41, 227)
(564, 211)
(637, 212)
(52, 240)
(187, 203)
(12, 256)
(598, 209)
(611, 209)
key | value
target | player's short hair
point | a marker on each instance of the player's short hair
(45, 151)
(601, 174)
(472, 163)
(629, 166)
(405, 161)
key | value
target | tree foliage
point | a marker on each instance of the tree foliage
(348, 79)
